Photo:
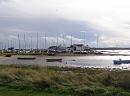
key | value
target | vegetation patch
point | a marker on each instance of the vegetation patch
(58, 81)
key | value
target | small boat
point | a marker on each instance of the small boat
(51, 54)
(53, 60)
(26, 58)
(73, 60)
(98, 53)
(118, 62)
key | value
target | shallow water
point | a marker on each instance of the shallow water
(73, 61)
(76, 61)
(99, 61)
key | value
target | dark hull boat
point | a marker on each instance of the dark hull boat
(118, 62)
(26, 58)
(53, 60)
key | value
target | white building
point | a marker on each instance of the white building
(78, 47)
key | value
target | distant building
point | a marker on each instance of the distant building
(59, 49)
(75, 48)
(78, 48)
(11, 49)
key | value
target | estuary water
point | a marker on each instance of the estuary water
(105, 61)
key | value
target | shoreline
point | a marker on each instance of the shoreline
(67, 61)
(67, 54)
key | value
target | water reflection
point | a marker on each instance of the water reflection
(74, 61)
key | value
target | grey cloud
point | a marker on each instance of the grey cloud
(30, 27)
(65, 17)
(50, 26)
(1, 1)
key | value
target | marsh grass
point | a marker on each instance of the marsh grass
(65, 81)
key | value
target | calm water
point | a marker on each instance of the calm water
(75, 61)
(98, 61)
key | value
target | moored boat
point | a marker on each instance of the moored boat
(54, 60)
(26, 58)
(118, 62)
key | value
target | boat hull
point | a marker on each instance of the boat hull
(121, 62)
(26, 58)
(53, 60)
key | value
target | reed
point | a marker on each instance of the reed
(64, 81)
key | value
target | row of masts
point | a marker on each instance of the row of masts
(27, 42)
(31, 43)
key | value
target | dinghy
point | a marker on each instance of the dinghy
(118, 62)
(26, 58)
(53, 60)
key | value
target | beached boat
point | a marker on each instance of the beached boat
(53, 60)
(26, 58)
(118, 62)
(51, 54)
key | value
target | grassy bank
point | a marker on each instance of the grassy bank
(19, 80)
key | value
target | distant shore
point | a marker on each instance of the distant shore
(67, 54)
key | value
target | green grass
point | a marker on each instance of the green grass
(21, 80)
(6, 91)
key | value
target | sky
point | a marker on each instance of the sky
(81, 20)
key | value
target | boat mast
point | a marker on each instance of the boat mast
(71, 40)
(19, 41)
(8, 43)
(11, 43)
(24, 42)
(84, 38)
(57, 39)
(31, 42)
(63, 40)
(45, 40)
(97, 40)
(37, 41)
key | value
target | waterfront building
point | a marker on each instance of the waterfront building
(58, 49)
(78, 48)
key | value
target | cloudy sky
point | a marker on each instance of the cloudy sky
(84, 20)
